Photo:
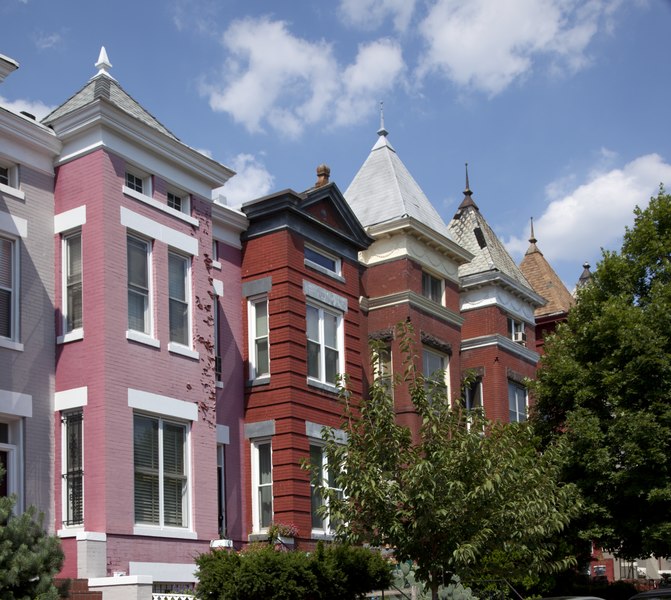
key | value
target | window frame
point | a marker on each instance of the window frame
(13, 448)
(68, 330)
(322, 310)
(139, 179)
(255, 371)
(186, 302)
(258, 525)
(514, 413)
(516, 330)
(172, 195)
(430, 380)
(148, 319)
(186, 475)
(325, 477)
(326, 258)
(429, 281)
(69, 418)
(14, 304)
(221, 491)
(383, 369)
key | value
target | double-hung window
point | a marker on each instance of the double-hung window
(72, 281)
(161, 471)
(179, 296)
(72, 468)
(262, 485)
(324, 338)
(517, 402)
(139, 275)
(10, 448)
(432, 287)
(9, 283)
(434, 367)
(516, 331)
(322, 476)
(259, 355)
(383, 368)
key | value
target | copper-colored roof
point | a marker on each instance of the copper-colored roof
(545, 282)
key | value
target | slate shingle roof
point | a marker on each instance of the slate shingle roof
(105, 87)
(384, 190)
(470, 229)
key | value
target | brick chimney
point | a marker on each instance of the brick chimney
(323, 173)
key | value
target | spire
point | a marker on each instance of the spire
(532, 241)
(103, 63)
(585, 276)
(468, 200)
(382, 132)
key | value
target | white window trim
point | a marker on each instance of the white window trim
(12, 188)
(256, 516)
(336, 273)
(445, 358)
(144, 198)
(340, 338)
(186, 532)
(185, 200)
(15, 460)
(12, 342)
(216, 263)
(154, 230)
(145, 337)
(326, 531)
(252, 302)
(526, 401)
(78, 332)
(177, 347)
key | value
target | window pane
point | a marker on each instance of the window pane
(174, 476)
(313, 359)
(265, 505)
(145, 447)
(179, 322)
(138, 272)
(261, 309)
(5, 313)
(73, 248)
(73, 475)
(262, 357)
(177, 270)
(4, 175)
(312, 318)
(5, 263)
(330, 330)
(138, 285)
(265, 465)
(331, 365)
(321, 259)
(316, 500)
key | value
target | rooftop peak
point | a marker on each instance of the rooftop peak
(468, 200)
(103, 63)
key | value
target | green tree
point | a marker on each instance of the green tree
(29, 558)
(452, 497)
(605, 387)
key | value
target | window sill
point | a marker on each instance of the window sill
(216, 265)
(71, 336)
(319, 534)
(162, 207)
(142, 338)
(262, 380)
(183, 351)
(165, 532)
(327, 387)
(221, 544)
(259, 536)
(219, 385)
(69, 532)
(10, 191)
(11, 345)
(324, 270)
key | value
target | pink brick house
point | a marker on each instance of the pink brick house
(148, 370)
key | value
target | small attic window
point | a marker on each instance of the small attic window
(322, 261)
(480, 237)
(138, 181)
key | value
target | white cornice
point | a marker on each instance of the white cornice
(495, 295)
(415, 301)
(502, 342)
(488, 278)
(7, 66)
(227, 224)
(72, 127)
(27, 142)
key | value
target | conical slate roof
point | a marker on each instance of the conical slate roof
(104, 87)
(470, 229)
(384, 190)
(545, 281)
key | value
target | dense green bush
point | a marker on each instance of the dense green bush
(330, 573)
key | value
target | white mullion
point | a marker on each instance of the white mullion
(161, 516)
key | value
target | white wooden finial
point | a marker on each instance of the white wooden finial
(103, 63)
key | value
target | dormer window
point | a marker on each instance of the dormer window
(432, 287)
(322, 261)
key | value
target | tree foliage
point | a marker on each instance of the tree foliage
(337, 572)
(29, 557)
(605, 387)
(454, 496)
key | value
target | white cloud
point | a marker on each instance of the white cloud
(273, 78)
(377, 67)
(251, 181)
(370, 14)
(486, 46)
(44, 41)
(594, 214)
(36, 108)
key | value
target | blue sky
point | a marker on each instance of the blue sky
(560, 107)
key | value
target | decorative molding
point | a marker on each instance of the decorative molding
(162, 405)
(16, 403)
(494, 295)
(70, 219)
(324, 296)
(157, 231)
(415, 301)
(502, 342)
(261, 429)
(72, 398)
(160, 206)
(257, 286)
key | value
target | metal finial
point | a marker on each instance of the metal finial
(382, 131)
(532, 239)
(467, 191)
